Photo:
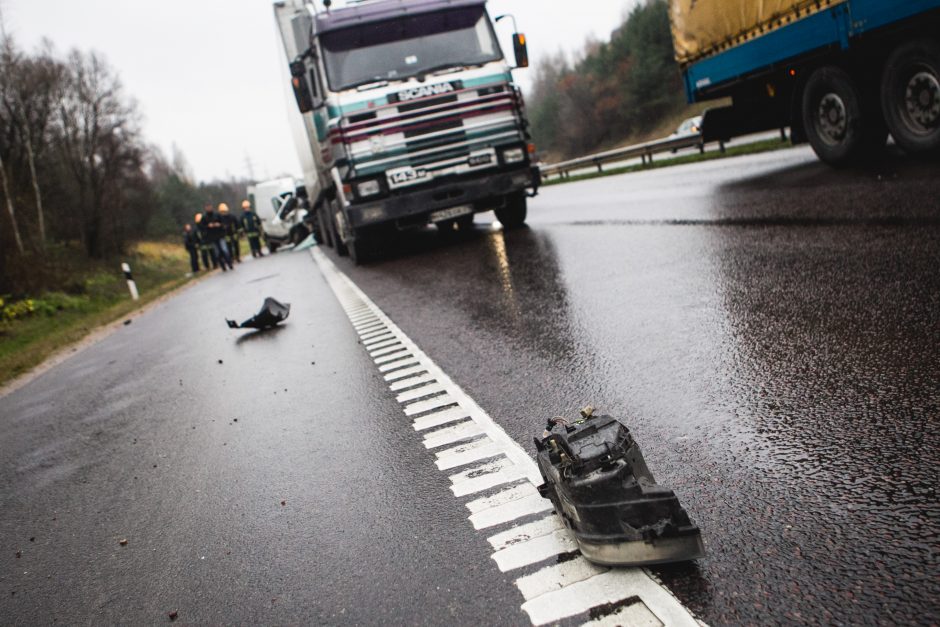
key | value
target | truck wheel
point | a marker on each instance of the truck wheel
(910, 96)
(341, 248)
(841, 124)
(512, 214)
(360, 250)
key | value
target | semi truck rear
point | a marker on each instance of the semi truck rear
(841, 73)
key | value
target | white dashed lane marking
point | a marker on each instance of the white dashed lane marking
(496, 477)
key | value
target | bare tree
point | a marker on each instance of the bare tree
(100, 147)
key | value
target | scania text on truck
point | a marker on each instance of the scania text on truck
(841, 73)
(409, 116)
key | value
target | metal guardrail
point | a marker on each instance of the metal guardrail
(645, 151)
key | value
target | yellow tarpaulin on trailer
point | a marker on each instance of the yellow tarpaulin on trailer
(703, 27)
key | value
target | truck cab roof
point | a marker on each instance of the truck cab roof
(381, 10)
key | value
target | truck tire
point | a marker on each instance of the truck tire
(360, 249)
(910, 96)
(512, 215)
(841, 123)
(338, 244)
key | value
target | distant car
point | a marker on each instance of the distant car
(691, 126)
(688, 128)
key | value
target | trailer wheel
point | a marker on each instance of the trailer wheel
(512, 215)
(910, 96)
(840, 123)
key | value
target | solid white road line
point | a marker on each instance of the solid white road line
(507, 476)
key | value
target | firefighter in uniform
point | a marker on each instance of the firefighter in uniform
(191, 242)
(215, 233)
(232, 232)
(205, 246)
(251, 225)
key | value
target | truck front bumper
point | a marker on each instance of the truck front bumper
(409, 208)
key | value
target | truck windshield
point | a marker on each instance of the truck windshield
(408, 46)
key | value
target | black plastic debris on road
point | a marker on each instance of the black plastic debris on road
(272, 313)
(598, 481)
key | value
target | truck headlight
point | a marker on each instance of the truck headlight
(513, 155)
(368, 188)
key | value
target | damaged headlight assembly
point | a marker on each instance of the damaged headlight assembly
(598, 482)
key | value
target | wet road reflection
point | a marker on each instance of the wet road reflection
(768, 328)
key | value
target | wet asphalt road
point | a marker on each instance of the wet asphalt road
(767, 326)
(257, 478)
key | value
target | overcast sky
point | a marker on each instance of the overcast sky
(206, 73)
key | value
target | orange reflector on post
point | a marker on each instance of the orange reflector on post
(531, 149)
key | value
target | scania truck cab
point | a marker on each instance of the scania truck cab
(410, 116)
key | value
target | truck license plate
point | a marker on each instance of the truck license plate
(451, 213)
(406, 176)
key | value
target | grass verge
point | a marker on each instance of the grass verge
(765, 145)
(96, 295)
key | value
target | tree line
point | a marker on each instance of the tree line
(616, 89)
(75, 168)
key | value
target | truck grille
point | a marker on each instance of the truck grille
(437, 133)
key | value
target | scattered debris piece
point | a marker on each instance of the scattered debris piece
(235, 419)
(173, 615)
(127, 322)
(123, 542)
(598, 481)
(272, 313)
(32, 539)
(19, 554)
(220, 361)
(283, 503)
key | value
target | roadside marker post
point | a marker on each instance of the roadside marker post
(131, 285)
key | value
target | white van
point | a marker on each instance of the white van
(281, 205)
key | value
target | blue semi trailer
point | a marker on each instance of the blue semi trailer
(842, 74)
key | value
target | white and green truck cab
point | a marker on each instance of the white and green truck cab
(409, 116)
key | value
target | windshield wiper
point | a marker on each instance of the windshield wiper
(442, 68)
(375, 81)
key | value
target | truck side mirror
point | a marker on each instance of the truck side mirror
(301, 90)
(520, 49)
